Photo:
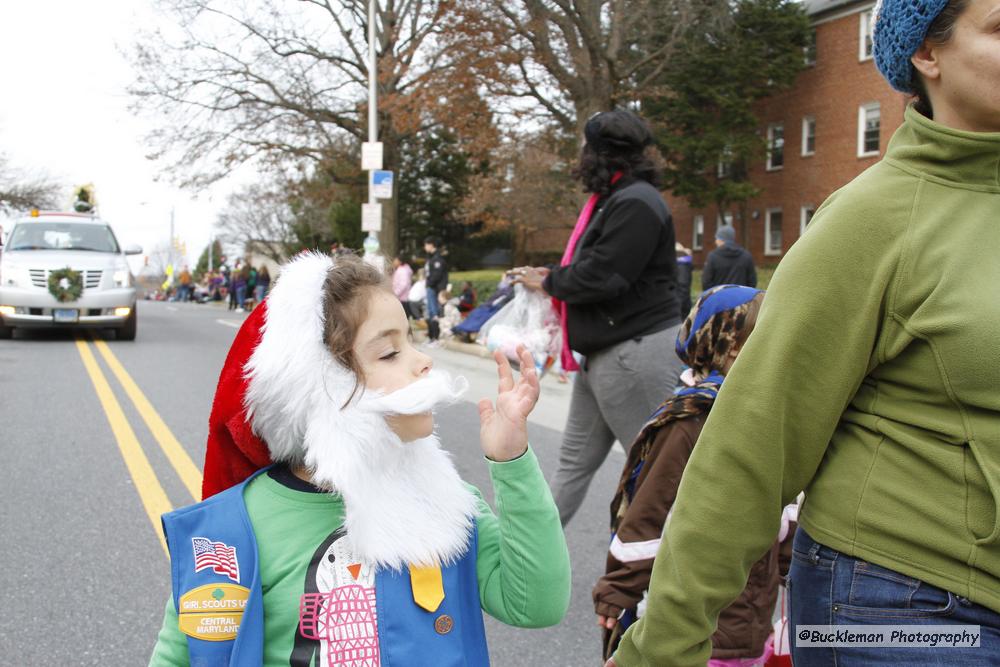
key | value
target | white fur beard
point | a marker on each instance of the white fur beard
(404, 501)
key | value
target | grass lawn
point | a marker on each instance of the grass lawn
(485, 281)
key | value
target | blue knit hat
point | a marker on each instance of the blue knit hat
(900, 28)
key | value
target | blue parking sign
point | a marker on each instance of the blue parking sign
(382, 184)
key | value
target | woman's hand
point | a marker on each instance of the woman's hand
(531, 277)
(503, 430)
(606, 622)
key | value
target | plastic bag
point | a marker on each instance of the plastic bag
(530, 320)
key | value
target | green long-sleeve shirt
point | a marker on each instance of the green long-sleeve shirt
(522, 563)
(872, 381)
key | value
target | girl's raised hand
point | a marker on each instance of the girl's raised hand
(503, 429)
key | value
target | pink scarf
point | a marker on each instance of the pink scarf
(566, 354)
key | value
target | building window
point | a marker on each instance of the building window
(808, 135)
(809, 50)
(698, 242)
(865, 42)
(772, 232)
(775, 146)
(807, 216)
(725, 166)
(725, 220)
(869, 129)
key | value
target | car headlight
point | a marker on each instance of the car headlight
(122, 278)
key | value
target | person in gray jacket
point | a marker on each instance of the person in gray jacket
(729, 263)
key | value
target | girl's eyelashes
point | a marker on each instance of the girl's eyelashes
(389, 357)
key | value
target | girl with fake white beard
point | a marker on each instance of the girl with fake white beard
(335, 531)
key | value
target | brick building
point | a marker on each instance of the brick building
(834, 123)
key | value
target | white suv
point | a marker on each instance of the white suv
(92, 285)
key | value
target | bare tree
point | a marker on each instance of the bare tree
(273, 80)
(259, 218)
(569, 59)
(20, 190)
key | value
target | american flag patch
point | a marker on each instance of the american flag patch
(217, 555)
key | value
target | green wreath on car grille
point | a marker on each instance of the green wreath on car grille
(65, 284)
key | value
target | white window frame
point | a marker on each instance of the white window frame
(806, 120)
(805, 219)
(862, 119)
(725, 220)
(698, 233)
(767, 233)
(770, 146)
(865, 25)
(809, 60)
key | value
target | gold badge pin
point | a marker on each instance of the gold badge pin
(443, 624)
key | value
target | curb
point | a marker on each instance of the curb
(473, 349)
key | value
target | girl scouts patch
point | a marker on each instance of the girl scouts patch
(217, 555)
(212, 612)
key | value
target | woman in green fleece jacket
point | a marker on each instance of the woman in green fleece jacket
(872, 381)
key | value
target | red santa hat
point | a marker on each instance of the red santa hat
(234, 452)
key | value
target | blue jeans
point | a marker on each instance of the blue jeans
(827, 587)
(433, 307)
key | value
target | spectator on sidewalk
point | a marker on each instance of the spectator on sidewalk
(467, 299)
(184, 281)
(240, 277)
(616, 289)
(263, 284)
(337, 249)
(729, 263)
(402, 282)
(685, 270)
(869, 382)
(418, 296)
(437, 281)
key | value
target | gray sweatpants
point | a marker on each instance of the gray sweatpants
(614, 394)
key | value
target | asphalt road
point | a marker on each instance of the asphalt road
(83, 571)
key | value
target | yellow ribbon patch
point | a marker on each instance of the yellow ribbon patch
(428, 587)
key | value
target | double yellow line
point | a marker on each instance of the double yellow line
(151, 493)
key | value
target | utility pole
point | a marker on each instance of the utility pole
(371, 244)
(172, 238)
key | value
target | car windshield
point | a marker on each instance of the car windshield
(62, 236)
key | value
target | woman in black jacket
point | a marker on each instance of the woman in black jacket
(616, 291)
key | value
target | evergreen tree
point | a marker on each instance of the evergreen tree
(703, 108)
(433, 185)
(202, 266)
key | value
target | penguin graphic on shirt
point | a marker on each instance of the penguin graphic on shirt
(337, 615)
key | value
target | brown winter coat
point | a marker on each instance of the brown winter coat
(743, 626)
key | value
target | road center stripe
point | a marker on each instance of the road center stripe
(230, 323)
(179, 458)
(154, 499)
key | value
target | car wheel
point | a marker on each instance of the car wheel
(128, 330)
(6, 332)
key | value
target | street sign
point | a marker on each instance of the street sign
(371, 217)
(382, 184)
(371, 155)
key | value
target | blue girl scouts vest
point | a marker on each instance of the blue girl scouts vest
(220, 607)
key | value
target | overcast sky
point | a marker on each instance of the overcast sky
(64, 111)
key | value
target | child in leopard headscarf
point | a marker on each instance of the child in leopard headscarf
(708, 342)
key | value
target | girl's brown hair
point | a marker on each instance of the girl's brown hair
(345, 307)
(941, 30)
